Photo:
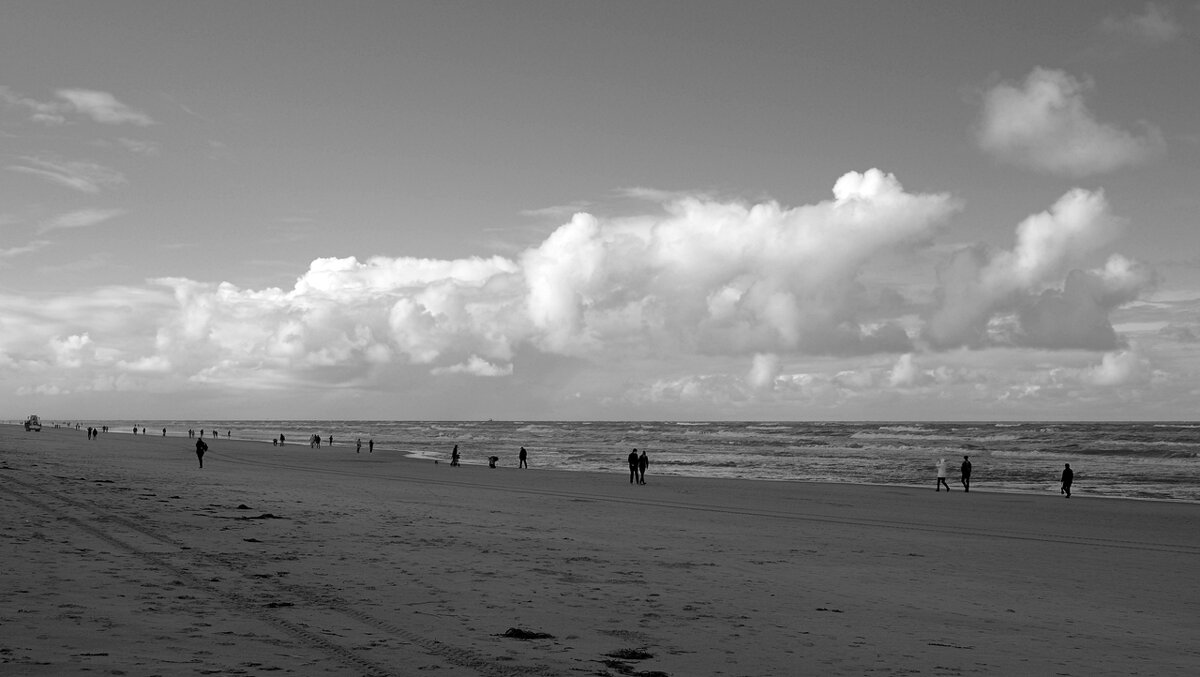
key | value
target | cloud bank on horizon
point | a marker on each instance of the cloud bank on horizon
(757, 285)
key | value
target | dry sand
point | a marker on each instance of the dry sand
(121, 556)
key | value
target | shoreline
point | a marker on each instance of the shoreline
(980, 485)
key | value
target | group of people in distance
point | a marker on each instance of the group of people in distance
(637, 463)
(522, 458)
(1068, 476)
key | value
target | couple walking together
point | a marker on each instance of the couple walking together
(637, 467)
(941, 474)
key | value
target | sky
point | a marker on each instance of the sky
(917, 210)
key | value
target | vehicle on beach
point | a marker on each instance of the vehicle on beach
(33, 423)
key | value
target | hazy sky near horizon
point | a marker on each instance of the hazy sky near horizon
(600, 210)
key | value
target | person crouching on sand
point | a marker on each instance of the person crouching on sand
(201, 447)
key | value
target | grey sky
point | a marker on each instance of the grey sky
(153, 151)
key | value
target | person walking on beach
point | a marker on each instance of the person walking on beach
(371, 446)
(966, 474)
(521, 456)
(358, 446)
(281, 439)
(201, 447)
(633, 466)
(1068, 477)
(941, 472)
(643, 463)
(454, 457)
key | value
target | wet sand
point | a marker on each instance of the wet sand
(121, 556)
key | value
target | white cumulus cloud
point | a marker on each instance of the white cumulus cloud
(727, 277)
(1045, 123)
(1117, 369)
(979, 288)
(763, 371)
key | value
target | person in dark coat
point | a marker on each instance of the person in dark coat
(966, 474)
(522, 456)
(643, 463)
(201, 447)
(633, 466)
(1068, 477)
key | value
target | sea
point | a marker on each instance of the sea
(1148, 461)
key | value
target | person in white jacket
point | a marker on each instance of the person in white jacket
(941, 470)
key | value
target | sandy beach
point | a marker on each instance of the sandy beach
(121, 556)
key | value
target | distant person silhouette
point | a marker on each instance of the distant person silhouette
(282, 439)
(371, 446)
(358, 446)
(1068, 476)
(966, 474)
(201, 447)
(164, 432)
(643, 463)
(454, 457)
(941, 475)
(633, 466)
(521, 457)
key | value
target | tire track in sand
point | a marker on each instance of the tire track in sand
(100, 523)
